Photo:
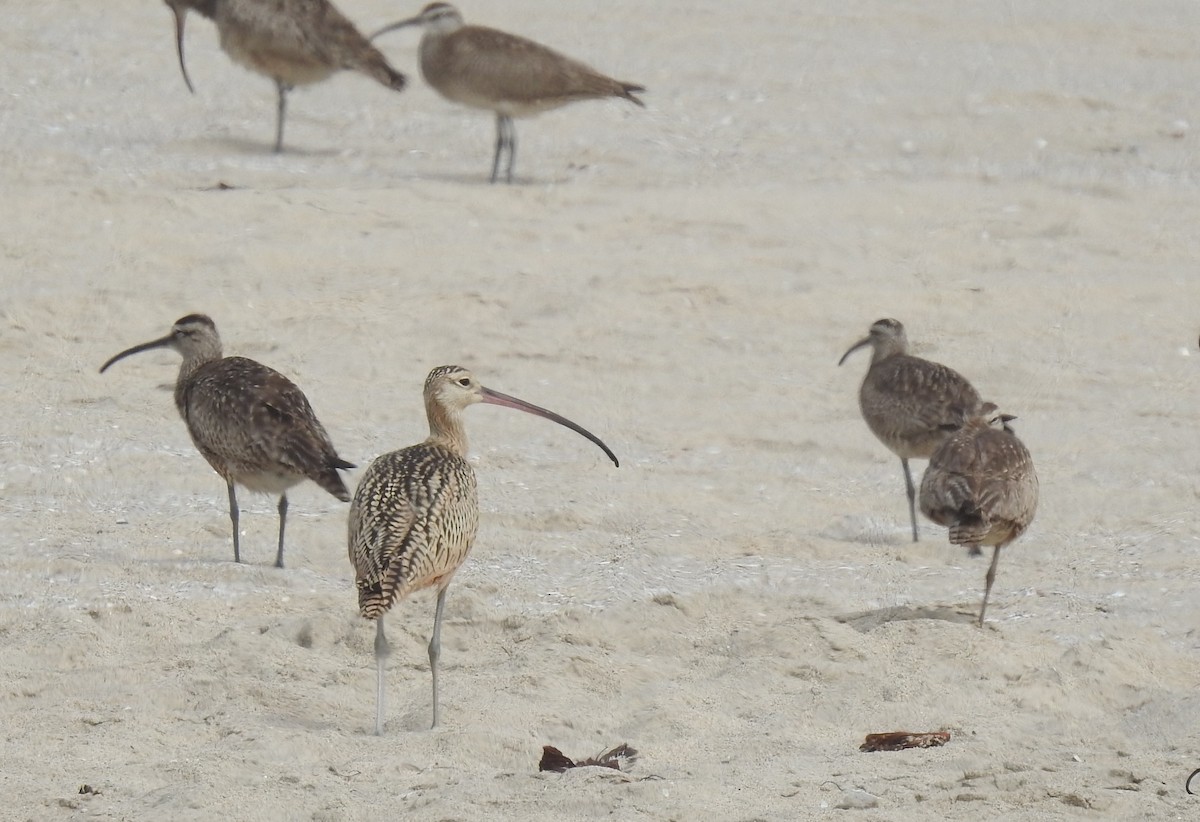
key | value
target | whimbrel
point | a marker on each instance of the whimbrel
(294, 42)
(908, 402)
(415, 512)
(252, 424)
(980, 484)
(484, 68)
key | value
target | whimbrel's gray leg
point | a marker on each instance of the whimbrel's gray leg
(506, 138)
(435, 649)
(912, 496)
(382, 651)
(991, 577)
(511, 133)
(233, 517)
(499, 146)
(281, 110)
(282, 520)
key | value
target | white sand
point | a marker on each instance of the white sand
(1016, 181)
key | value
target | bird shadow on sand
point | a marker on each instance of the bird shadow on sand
(867, 621)
(482, 181)
(245, 146)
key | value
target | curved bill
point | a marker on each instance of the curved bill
(137, 349)
(865, 341)
(180, 18)
(496, 398)
(412, 21)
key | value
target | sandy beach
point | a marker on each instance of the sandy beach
(741, 600)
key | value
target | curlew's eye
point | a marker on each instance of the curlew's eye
(465, 382)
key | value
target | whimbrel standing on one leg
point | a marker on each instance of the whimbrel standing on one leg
(252, 424)
(908, 401)
(980, 484)
(514, 77)
(415, 512)
(294, 42)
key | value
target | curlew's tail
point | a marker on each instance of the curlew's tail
(331, 481)
(630, 89)
(376, 67)
(394, 79)
(374, 599)
(969, 529)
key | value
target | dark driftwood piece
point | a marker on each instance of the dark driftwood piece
(554, 760)
(899, 740)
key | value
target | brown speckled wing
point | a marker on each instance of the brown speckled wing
(412, 523)
(246, 418)
(283, 37)
(503, 66)
(908, 402)
(982, 485)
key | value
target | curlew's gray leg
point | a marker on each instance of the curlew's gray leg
(382, 651)
(991, 577)
(506, 138)
(282, 520)
(435, 649)
(233, 517)
(281, 110)
(912, 496)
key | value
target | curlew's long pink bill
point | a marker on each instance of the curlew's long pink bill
(180, 18)
(162, 342)
(496, 398)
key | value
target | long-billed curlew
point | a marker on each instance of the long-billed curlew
(294, 42)
(908, 402)
(484, 68)
(252, 424)
(980, 484)
(415, 512)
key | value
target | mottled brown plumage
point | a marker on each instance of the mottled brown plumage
(294, 42)
(252, 424)
(415, 512)
(909, 403)
(413, 520)
(484, 68)
(981, 484)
